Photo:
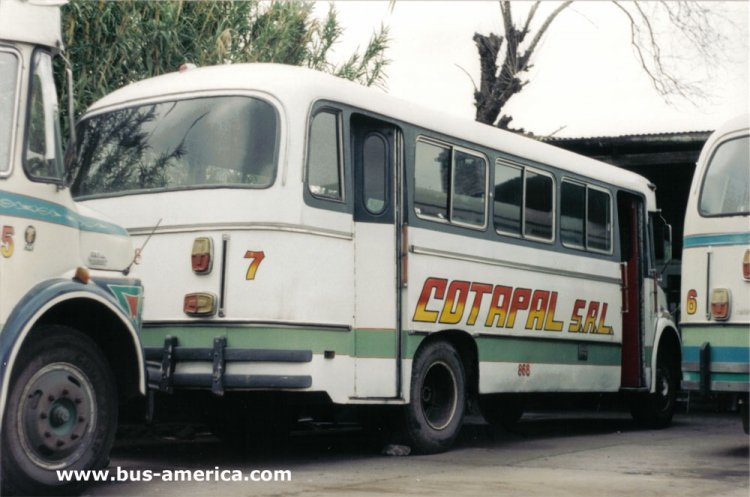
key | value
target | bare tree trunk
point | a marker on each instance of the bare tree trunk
(498, 86)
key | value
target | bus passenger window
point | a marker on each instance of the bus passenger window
(468, 189)
(324, 157)
(375, 168)
(432, 180)
(598, 223)
(572, 214)
(508, 198)
(538, 215)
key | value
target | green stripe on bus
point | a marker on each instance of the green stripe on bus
(718, 336)
(410, 344)
(511, 349)
(380, 343)
(372, 343)
(369, 343)
(317, 340)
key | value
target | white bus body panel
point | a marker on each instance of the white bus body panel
(314, 257)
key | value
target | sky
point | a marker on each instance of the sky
(586, 80)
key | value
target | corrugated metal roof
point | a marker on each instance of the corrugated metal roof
(680, 136)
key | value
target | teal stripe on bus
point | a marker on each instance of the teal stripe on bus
(719, 354)
(693, 241)
(14, 205)
(727, 377)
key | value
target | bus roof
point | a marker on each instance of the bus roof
(302, 86)
(31, 21)
(735, 125)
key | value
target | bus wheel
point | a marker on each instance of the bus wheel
(745, 415)
(438, 399)
(61, 412)
(501, 411)
(655, 410)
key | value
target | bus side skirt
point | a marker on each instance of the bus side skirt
(162, 362)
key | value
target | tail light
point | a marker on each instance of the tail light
(720, 304)
(746, 265)
(199, 304)
(201, 257)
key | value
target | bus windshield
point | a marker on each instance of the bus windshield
(181, 144)
(8, 84)
(726, 187)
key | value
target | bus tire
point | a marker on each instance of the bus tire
(61, 412)
(438, 399)
(745, 415)
(655, 410)
(501, 411)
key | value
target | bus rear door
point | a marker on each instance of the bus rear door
(375, 257)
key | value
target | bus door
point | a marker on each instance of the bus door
(376, 238)
(632, 222)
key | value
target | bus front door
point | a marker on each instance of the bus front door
(375, 257)
(632, 223)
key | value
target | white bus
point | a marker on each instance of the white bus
(314, 235)
(715, 317)
(69, 313)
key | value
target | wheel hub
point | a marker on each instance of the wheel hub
(427, 394)
(439, 396)
(57, 416)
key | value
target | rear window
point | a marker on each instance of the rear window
(726, 186)
(182, 144)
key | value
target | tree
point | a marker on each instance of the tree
(111, 44)
(502, 73)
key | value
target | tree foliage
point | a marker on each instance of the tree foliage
(111, 44)
(506, 59)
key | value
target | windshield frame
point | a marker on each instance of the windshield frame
(181, 96)
(14, 109)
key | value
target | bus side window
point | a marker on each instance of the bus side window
(572, 214)
(508, 198)
(43, 153)
(538, 206)
(375, 169)
(599, 221)
(469, 187)
(324, 166)
(432, 181)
